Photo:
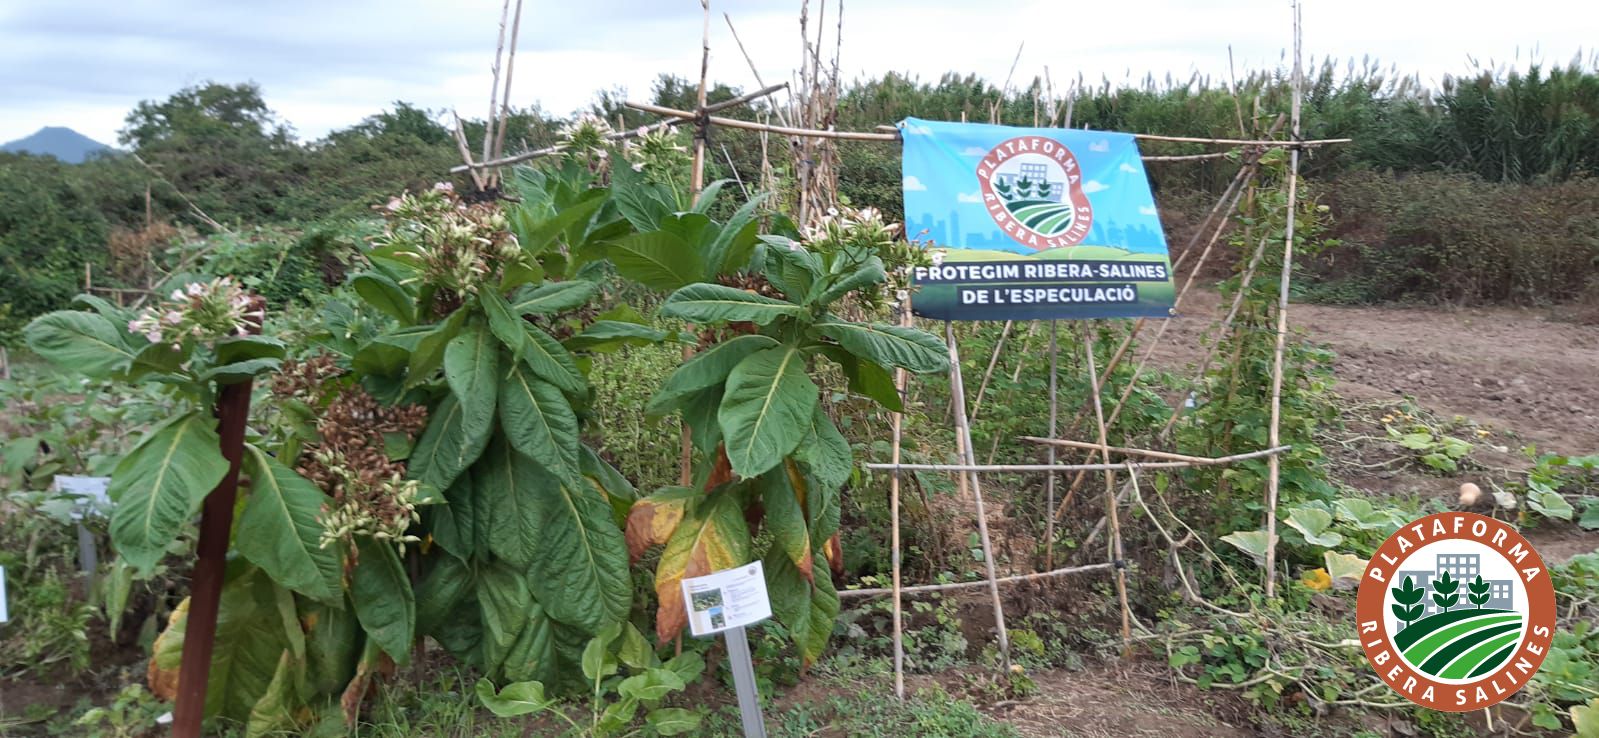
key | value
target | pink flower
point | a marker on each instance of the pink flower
(153, 337)
(443, 187)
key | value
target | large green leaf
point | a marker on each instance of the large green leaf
(868, 274)
(503, 321)
(472, 368)
(256, 629)
(510, 484)
(81, 342)
(386, 295)
(460, 526)
(428, 354)
(448, 446)
(866, 377)
(825, 452)
(550, 361)
(518, 642)
(160, 484)
(273, 714)
(710, 303)
(782, 494)
(707, 369)
(603, 336)
(441, 589)
(384, 602)
(515, 700)
(282, 533)
(890, 345)
(579, 568)
(766, 409)
(792, 269)
(539, 422)
(553, 297)
(730, 250)
(657, 259)
(806, 605)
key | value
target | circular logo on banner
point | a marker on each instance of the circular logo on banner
(1456, 611)
(1032, 188)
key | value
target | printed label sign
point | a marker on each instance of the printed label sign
(1456, 611)
(726, 599)
(1033, 223)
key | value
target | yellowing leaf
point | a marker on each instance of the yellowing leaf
(651, 521)
(710, 538)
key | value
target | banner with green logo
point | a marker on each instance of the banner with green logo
(1033, 224)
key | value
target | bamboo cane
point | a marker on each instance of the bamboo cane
(897, 420)
(878, 592)
(1114, 547)
(1274, 465)
(957, 389)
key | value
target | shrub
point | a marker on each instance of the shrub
(1455, 238)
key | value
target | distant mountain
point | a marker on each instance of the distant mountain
(62, 143)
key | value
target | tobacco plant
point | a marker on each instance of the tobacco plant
(200, 338)
(768, 453)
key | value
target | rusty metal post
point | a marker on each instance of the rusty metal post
(205, 589)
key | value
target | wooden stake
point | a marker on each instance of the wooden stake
(696, 185)
(897, 420)
(1114, 546)
(1274, 464)
(494, 91)
(957, 389)
(505, 100)
(205, 589)
(1054, 415)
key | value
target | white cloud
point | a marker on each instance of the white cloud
(974, 197)
(976, 151)
(1101, 146)
(912, 184)
(1128, 168)
(1148, 210)
(1094, 185)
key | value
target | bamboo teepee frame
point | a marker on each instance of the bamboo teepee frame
(806, 123)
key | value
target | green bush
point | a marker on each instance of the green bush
(1455, 238)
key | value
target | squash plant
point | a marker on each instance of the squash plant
(768, 451)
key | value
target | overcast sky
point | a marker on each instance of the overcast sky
(325, 65)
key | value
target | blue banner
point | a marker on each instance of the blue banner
(1033, 224)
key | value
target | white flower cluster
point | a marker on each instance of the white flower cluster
(203, 311)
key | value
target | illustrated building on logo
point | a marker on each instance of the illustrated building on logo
(1463, 568)
(1036, 174)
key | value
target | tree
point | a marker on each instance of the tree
(222, 146)
(1479, 592)
(1408, 596)
(1444, 591)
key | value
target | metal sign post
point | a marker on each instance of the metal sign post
(749, 698)
(725, 602)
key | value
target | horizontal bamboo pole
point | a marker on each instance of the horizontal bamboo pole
(558, 148)
(1191, 157)
(741, 99)
(1166, 455)
(780, 130)
(846, 593)
(1079, 467)
(1244, 141)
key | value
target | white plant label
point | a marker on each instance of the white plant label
(731, 598)
(4, 615)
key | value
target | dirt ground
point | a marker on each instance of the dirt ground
(1512, 369)
(1524, 377)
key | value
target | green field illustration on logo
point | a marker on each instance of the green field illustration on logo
(1453, 628)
